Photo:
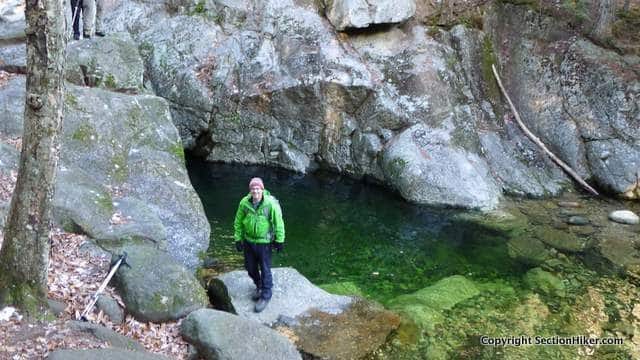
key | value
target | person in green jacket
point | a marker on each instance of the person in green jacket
(259, 228)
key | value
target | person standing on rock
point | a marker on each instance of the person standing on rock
(259, 228)
(87, 10)
(91, 12)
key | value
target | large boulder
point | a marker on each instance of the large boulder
(425, 169)
(112, 62)
(323, 325)
(348, 14)
(293, 295)
(133, 160)
(83, 205)
(220, 335)
(154, 287)
(123, 160)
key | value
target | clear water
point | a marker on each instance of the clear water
(339, 230)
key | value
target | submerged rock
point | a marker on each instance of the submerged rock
(424, 307)
(545, 282)
(561, 239)
(342, 288)
(578, 220)
(220, 335)
(359, 330)
(528, 250)
(624, 217)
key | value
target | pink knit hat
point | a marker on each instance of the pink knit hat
(256, 181)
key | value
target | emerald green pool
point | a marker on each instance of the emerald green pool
(340, 231)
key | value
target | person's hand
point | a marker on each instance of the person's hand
(278, 246)
(239, 246)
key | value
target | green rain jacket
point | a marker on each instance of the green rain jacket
(259, 226)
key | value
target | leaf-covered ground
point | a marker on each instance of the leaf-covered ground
(74, 276)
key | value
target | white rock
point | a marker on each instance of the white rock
(624, 217)
(6, 313)
(345, 14)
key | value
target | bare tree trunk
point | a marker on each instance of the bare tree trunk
(24, 257)
(625, 7)
(602, 30)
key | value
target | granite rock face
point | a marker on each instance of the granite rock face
(579, 98)
(270, 82)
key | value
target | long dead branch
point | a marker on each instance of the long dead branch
(537, 141)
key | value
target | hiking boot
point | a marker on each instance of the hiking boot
(76, 36)
(261, 304)
(100, 33)
(256, 295)
(86, 36)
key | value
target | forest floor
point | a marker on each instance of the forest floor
(73, 278)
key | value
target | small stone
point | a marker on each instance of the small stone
(578, 220)
(111, 308)
(569, 204)
(569, 212)
(57, 307)
(209, 262)
(624, 217)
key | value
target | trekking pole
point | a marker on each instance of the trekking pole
(122, 259)
(75, 13)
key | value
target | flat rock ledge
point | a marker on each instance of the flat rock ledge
(220, 335)
(321, 324)
(293, 295)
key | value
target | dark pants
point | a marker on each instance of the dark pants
(257, 261)
(76, 5)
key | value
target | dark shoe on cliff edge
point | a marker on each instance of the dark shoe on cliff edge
(261, 304)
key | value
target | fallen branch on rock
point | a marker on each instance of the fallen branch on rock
(538, 142)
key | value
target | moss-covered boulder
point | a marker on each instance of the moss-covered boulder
(220, 335)
(111, 62)
(156, 288)
(545, 282)
(424, 307)
(562, 239)
(130, 155)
